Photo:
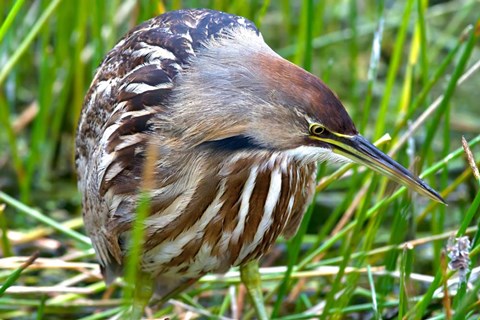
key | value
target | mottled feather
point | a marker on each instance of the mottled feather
(197, 86)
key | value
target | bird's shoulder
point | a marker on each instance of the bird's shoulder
(133, 85)
(135, 80)
(148, 58)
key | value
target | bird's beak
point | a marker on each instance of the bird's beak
(360, 150)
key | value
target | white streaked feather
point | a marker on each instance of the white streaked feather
(273, 196)
(139, 88)
(108, 132)
(168, 250)
(119, 107)
(187, 36)
(225, 241)
(105, 87)
(129, 140)
(153, 52)
(157, 64)
(290, 205)
(309, 154)
(119, 44)
(245, 203)
(203, 261)
(113, 171)
(271, 162)
(106, 160)
(173, 211)
(137, 113)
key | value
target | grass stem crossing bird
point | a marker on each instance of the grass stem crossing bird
(237, 132)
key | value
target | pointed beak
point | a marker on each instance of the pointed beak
(360, 150)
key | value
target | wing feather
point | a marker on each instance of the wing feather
(128, 97)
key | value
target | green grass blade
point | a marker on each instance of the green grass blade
(293, 253)
(405, 271)
(382, 121)
(449, 91)
(376, 314)
(16, 274)
(373, 65)
(37, 215)
(22, 48)
(7, 23)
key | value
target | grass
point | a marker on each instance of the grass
(365, 248)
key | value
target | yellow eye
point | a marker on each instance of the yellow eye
(316, 129)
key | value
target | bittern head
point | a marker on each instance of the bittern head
(239, 94)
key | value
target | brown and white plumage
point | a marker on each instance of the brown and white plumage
(229, 121)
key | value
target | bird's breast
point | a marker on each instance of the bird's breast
(229, 215)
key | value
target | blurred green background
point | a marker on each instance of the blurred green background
(388, 61)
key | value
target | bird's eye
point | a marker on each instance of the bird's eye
(316, 129)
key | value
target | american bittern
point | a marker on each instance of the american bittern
(238, 132)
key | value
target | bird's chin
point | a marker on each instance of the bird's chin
(310, 154)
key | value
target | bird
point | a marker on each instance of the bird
(236, 131)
